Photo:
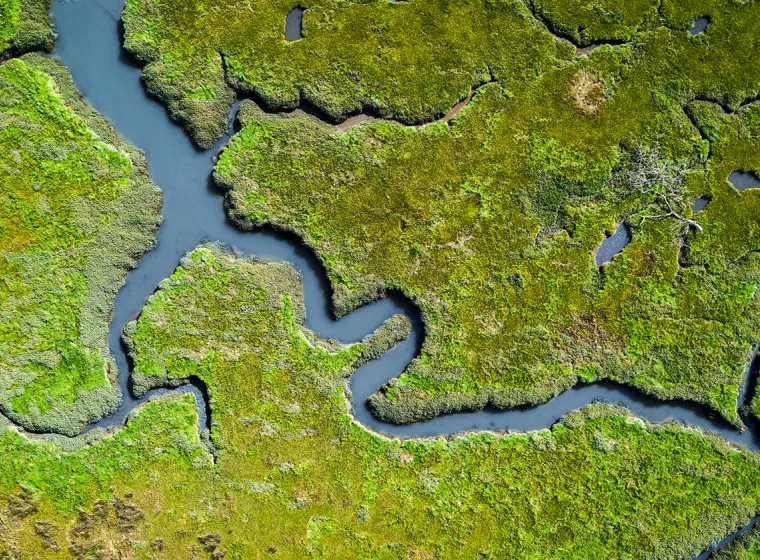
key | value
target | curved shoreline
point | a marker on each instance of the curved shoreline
(111, 83)
(193, 213)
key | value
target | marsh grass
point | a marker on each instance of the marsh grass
(490, 224)
(410, 61)
(292, 463)
(25, 26)
(78, 210)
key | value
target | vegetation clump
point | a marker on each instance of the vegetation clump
(291, 461)
(78, 210)
(491, 224)
(24, 26)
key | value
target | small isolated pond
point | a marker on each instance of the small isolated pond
(700, 204)
(294, 24)
(700, 25)
(743, 180)
(613, 245)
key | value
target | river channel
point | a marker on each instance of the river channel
(89, 44)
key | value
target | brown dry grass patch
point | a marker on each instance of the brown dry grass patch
(587, 91)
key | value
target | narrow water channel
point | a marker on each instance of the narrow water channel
(89, 44)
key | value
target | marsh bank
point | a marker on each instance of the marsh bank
(89, 44)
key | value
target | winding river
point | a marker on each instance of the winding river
(89, 44)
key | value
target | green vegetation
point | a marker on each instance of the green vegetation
(491, 224)
(24, 26)
(599, 20)
(78, 209)
(411, 61)
(406, 60)
(295, 477)
(220, 287)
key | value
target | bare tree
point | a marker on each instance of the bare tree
(653, 175)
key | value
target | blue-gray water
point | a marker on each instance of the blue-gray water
(700, 25)
(89, 44)
(700, 204)
(742, 180)
(294, 24)
(613, 245)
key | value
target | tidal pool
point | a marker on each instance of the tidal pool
(294, 24)
(700, 204)
(743, 180)
(613, 244)
(700, 25)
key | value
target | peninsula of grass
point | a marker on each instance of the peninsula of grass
(410, 61)
(24, 26)
(78, 209)
(293, 476)
(491, 224)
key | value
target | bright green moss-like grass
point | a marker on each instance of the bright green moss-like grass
(491, 224)
(10, 16)
(77, 209)
(407, 60)
(295, 477)
(24, 26)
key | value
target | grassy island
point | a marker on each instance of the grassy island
(24, 26)
(78, 209)
(491, 223)
(286, 472)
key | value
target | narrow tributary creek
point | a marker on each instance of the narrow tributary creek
(89, 44)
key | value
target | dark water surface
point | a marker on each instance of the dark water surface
(89, 44)
(700, 204)
(700, 25)
(294, 24)
(742, 180)
(613, 244)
